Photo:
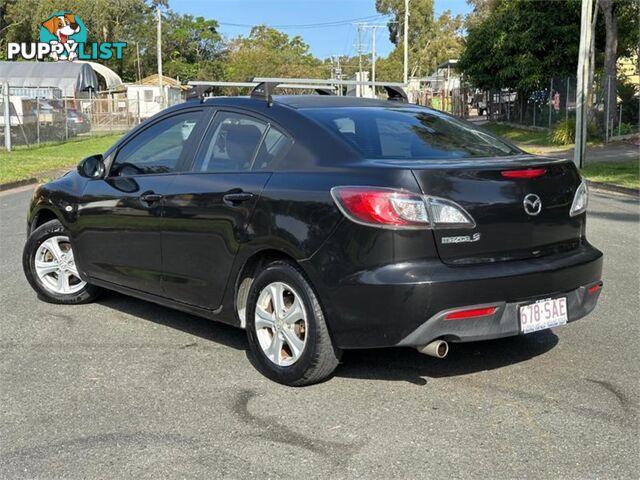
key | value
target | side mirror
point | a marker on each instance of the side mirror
(92, 167)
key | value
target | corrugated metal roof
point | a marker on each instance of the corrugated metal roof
(72, 78)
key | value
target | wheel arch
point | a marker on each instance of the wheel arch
(246, 275)
(42, 216)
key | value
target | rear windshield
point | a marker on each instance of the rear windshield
(414, 133)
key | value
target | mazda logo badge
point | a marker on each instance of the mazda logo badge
(532, 204)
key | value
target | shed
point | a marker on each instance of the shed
(72, 78)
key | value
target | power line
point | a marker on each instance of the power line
(335, 23)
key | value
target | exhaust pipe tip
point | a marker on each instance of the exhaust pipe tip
(437, 348)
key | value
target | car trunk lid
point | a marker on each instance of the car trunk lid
(505, 229)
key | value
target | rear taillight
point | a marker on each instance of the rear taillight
(580, 200)
(399, 209)
(381, 207)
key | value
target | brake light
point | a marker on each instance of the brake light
(471, 313)
(381, 207)
(528, 173)
(399, 209)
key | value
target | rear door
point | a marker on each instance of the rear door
(207, 209)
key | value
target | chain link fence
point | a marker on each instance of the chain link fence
(33, 116)
(550, 106)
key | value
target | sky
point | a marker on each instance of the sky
(338, 35)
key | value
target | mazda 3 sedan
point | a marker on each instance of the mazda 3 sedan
(319, 224)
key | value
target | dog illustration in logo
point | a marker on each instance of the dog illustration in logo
(62, 27)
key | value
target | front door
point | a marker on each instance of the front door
(207, 210)
(118, 231)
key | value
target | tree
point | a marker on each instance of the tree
(520, 44)
(267, 52)
(621, 37)
(192, 47)
(431, 41)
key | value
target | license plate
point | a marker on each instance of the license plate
(543, 314)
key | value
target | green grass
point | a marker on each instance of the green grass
(625, 173)
(24, 163)
(521, 137)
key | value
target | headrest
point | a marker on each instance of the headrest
(242, 141)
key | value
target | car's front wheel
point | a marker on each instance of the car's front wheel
(50, 267)
(286, 329)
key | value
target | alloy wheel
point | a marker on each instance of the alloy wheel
(281, 324)
(56, 267)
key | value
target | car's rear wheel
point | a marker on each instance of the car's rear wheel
(50, 267)
(286, 329)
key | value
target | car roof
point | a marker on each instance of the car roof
(311, 101)
(332, 101)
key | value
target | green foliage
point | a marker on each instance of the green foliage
(625, 173)
(564, 132)
(522, 137)
(267, 52)
(629, 94)
(520, 44)
(431, 41)
(29, 162)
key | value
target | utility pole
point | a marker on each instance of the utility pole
(359, 86)
(159, 41)
(6, 100)
(406, 42)
(138, 59)
(582, 88)
(373, 57)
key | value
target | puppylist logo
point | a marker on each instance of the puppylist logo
(63, 36)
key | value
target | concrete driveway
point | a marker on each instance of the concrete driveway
(127, 389)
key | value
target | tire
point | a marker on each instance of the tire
(58, 263)
(317, 358)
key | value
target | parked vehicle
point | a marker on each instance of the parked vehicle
(77, 122)
(319, 224)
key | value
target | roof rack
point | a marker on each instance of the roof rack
(263, 87)
(262, 90)
(395, 90)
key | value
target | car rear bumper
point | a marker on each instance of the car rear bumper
(405, 303)
(503, 323)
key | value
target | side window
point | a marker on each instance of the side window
(230, 143)
(275, 143)
(156, 149)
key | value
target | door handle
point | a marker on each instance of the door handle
(150, 198)
(236, 198)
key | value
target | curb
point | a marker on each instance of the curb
(610, 188)
(40, 178)
(18, 183)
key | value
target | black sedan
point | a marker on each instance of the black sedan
(319, 224)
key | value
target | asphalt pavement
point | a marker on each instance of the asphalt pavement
(126, 389)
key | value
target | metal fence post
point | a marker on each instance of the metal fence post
(566, 102)
(608, 107)
(535, 107)
(38, 121)
(550, 101)
(66, 123)
(7, 116)
(620, 121)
